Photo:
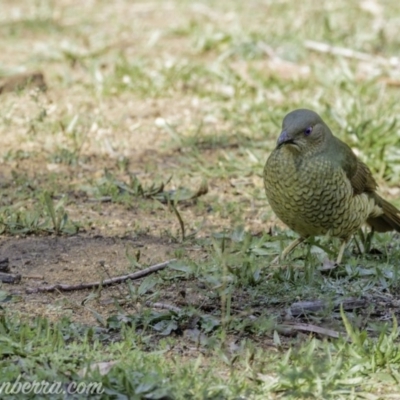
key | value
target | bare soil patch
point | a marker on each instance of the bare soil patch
(73, 260)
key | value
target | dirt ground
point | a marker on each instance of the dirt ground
(73, 260)
(105, 128)
(109, 231)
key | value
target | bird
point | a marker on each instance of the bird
(317, 185)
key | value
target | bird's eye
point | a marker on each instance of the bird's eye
(308, 131)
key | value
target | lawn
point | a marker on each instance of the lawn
(134, 133)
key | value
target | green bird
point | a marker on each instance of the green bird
(317, 186)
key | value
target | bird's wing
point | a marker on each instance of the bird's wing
(357, 172)
(361, 179)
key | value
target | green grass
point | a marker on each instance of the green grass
(148, 104)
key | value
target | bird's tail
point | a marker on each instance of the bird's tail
(389, 220)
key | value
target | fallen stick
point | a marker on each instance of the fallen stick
(350, 53)
(312, 328)
(106, 282)
(37, 277)
(313, 306)
(10, 278)
(164, 306)
(5, 265)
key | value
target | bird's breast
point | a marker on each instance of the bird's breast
(311, 194)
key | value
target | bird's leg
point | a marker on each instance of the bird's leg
(368, 241)
(341, 251)
(360, 246)
(288, 249)
(291, 247)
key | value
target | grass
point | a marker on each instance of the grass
(148, 145)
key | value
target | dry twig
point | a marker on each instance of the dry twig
(163, 306)
(350, 53)
(312, 328)
(34, 277)
(10, 278)
(106, 282)
(312, 306)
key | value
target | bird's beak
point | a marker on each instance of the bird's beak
(283, 138)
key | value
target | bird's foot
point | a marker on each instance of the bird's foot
(286, 251)
(275, 261)
(341, 252)
(328, 265)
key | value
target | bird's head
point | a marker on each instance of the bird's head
(303, 131)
